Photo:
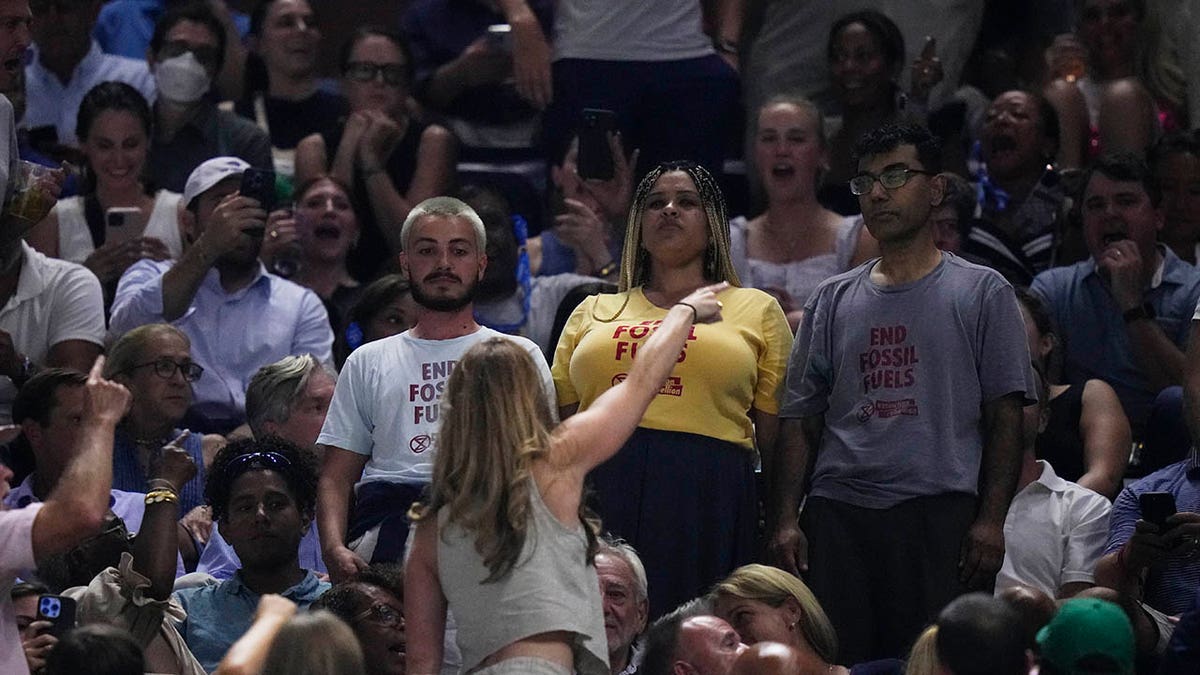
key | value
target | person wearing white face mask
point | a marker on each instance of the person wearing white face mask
(185, 54)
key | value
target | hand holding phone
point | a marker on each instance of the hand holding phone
(59, 611)
(595, 160)
(258, 184)
(1156, 507)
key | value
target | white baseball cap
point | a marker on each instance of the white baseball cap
(209, 173)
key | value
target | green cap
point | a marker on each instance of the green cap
(1086, 627)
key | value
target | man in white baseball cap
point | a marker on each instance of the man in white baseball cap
(239, 316)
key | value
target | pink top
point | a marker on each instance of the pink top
(16, 556)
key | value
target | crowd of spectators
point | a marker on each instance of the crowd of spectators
(601, 337)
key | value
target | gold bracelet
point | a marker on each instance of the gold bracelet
(161, 495)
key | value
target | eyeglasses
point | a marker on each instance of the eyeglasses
(207, 55)
(891, 179)
(381, 614)
(165, 368)
(366, 71)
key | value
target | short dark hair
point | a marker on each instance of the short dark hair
(960, 196)
(890, 136)
(885, 31)
(1124, 167)
(1174, 143)
(981, 635)
(108, 96)
(662, 638)
(377, 295)
(299, 471)
(96, 649)
(196, 12)
(346, 599)
(38, 398)
(374, 30)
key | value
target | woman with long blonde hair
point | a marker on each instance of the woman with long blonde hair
(501, 541)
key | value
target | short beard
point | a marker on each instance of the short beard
(444, 304)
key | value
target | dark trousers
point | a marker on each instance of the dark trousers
(669, 109)
(882, 575)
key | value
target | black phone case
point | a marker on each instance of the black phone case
(595, 159)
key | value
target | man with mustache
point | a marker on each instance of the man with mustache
(1123, 315)
(380, 434)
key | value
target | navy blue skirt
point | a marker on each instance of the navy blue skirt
(686, 502)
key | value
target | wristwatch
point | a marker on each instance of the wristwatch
(1145, 311)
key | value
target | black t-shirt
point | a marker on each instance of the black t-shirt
(290, 121)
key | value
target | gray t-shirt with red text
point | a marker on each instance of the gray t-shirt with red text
(900, 374)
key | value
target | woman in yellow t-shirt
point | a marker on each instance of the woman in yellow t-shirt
(681, 490)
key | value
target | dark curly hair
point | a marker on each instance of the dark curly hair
(299, 470)
(346, 599)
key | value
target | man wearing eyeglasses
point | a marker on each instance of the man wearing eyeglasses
(68, 63)
(186, 52)
(904, 395)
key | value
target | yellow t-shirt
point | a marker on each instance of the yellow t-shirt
(725, 369)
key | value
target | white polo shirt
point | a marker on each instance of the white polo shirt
(1053, 535)
(55, 301)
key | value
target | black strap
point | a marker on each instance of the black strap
(95, 219)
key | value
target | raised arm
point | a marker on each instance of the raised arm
(249, 653)
(76, 507)
(588, 438)
(156, 545)
(226, 225)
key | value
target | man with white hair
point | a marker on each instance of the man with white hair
(238, 316)
(380, 435)
(626, 604)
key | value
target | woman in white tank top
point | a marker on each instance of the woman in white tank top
(114, 132)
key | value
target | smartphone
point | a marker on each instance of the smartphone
(1157, 507)
(595, 157)
(260, 185)
(59, 611)
(122, 223)
(499, 36)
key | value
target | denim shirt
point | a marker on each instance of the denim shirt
(219, 612)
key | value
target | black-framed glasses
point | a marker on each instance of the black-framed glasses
(366, 71)
(891, 178)
(381, 614)
(207, 55)
(165, 368)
